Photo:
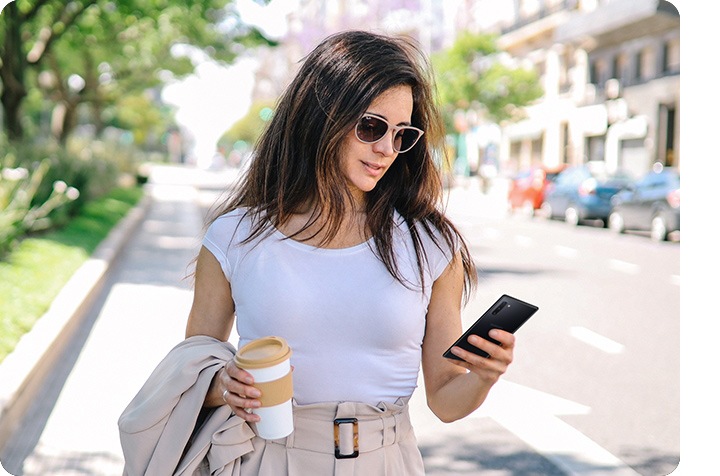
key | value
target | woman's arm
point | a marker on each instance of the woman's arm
(212, 314)
(212, 310)
(453, 388)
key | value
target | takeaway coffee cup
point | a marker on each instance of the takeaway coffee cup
(268, 360)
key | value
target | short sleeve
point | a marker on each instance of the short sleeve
(218, 239)
(439, 255)
(438, 252)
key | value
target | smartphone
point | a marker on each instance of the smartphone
(508, 313)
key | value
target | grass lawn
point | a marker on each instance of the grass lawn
(36, 270)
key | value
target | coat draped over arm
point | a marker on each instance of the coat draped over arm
(165, 430)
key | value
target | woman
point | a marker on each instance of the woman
(334, 241)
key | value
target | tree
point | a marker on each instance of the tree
(474, 71)
(96, 51)
(250, 126)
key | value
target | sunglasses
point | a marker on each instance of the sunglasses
(371, 128)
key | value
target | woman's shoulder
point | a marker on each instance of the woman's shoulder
(437, 248)
(426, 228)
(232, 217)
(229, 225)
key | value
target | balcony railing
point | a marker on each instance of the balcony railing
(596, 94)
(544, 11)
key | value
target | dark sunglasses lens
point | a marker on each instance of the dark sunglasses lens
(405, 139)
(371, 129)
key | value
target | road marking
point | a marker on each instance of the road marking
(675, 279)
(524, 241)
(596, 340)
(624, 266)
(566, 251)
(492, 233)
(532, 416)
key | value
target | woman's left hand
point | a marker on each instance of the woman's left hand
(492, 367)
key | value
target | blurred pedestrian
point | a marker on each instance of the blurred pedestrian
(335, 241)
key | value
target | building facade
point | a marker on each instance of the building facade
(611, 75)
(610, 71)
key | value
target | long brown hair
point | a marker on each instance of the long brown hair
(297, 158)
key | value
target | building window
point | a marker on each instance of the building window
(515, 148)
(618, 67)
(566, 150)
(565, 72)
(597, 71)
(647, 67)
(595, 148)
(537, 147)
(671, 56)
(637, 70)
(644, 67)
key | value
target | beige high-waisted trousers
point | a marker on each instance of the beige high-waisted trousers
(324, 443)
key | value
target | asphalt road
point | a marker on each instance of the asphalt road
(598, 365)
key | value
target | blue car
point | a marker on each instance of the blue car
(653, 204)
(583, 192)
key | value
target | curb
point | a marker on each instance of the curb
(23, 371)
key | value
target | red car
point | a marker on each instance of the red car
(527, 188)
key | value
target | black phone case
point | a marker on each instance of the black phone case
(508, 313)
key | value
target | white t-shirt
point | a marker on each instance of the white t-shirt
(355, 331)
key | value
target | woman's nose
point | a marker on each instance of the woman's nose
(385, 145)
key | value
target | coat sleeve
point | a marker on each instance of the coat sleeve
(157, 425)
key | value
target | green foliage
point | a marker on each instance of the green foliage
(473, 71)
(137, 114)
(33, 273)
(22, 209)
(249, 128)
(97, 53)
(43, 186)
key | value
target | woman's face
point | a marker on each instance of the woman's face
(363, 165)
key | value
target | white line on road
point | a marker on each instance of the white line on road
(566, 251)
(596, 340)
(524, 241)
(564, 445)
(532, 416)
(491, 233)
(624, 266)
(675, 279)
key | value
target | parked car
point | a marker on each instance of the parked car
(653, 204)
(527, 188)
(583, 193)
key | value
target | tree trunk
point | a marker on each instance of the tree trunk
(12, 74)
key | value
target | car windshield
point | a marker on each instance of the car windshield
(617, 176)
(667, 179)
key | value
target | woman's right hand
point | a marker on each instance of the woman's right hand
(234, 386)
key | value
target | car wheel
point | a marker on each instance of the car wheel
(616, 222)
(572, 217)
(546, 210)
(528, 209)
(658, 229)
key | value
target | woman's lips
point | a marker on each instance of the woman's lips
(373, 169)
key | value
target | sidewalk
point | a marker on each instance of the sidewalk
(140, 314)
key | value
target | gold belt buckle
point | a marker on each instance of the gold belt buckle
(340, 421)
